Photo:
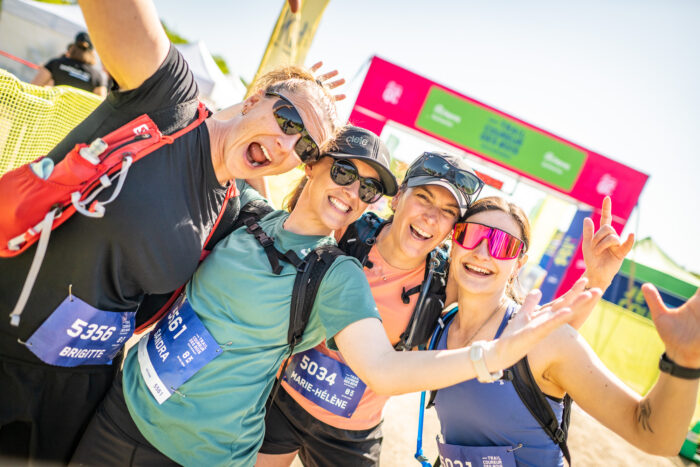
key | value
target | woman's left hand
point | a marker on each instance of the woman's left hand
(679, 328)
(603, 251)
(326, 76)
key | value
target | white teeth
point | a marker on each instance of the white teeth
(420, 232)
(264, 151)
(477, 269)
(339, 204)
(255, 164)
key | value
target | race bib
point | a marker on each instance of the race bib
(325, 381)
(79, 334)
(453, 455)
(175, 350)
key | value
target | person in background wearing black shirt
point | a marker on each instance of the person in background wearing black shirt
(77, 67)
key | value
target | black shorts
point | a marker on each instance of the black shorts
(44, 409)
(288, 428)
(112, 438)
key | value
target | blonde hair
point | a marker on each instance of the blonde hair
(294, 78)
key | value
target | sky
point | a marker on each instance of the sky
(619, 77)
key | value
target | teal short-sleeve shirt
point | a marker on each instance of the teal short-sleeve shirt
(217, 416)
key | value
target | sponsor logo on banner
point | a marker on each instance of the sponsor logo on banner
(392, 92)
(606, 185)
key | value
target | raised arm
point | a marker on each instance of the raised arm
(365, 347)
(128, 36)
(656, 423)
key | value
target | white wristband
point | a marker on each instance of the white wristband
(477, 354)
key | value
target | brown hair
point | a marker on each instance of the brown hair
(496, 203)
(294, 78)
(291, 200)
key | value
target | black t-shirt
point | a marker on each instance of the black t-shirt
(80, 75)
(151, 236)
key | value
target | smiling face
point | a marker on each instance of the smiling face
(476, 271)
(423, 218)
(255, 144)
(330, 205)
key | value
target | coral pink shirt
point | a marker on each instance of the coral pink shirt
(386, 283)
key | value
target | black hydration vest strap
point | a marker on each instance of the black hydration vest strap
(534, 399)
(268, 243)
(354, 246)
(310, 273)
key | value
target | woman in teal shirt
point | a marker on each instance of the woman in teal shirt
(236, 324)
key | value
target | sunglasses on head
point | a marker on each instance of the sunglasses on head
(290, 123)
(501, 245)
(344, 172)
(435, 166)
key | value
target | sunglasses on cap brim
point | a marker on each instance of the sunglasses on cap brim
(433, 165)
(501, 244)
(291, 123)
(344, 172)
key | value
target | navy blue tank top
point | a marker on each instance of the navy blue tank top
(492, 414)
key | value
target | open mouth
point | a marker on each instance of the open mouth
(477, 270)
(341, 206)
(420, 234)
(257, 155)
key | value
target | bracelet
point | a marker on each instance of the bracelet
(672, 368)
(477, 354)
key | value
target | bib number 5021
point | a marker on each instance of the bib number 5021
(93, 332)
(314, 369)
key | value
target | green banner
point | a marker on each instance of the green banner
(500, 138)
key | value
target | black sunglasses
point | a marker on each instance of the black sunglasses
(435, 166)
(290, 123)
(344, 172)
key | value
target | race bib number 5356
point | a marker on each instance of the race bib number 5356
(77, 333)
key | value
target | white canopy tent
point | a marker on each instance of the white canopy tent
(37, 32)
(217, 89)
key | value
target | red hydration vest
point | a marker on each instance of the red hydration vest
(30, 207)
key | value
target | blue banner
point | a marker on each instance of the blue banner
(559, 261)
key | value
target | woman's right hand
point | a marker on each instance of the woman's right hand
(532, 324)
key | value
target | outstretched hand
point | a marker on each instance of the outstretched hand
(679, 328)
(581, 309)
(532, 324)
(603, 251)
(323, 78)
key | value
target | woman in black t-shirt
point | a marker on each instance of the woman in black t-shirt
(150, 238)
(77, 68)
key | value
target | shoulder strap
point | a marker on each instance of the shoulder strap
(310, 273)
(443, 321)
(536, 402)
(360, 236)
(430, 302)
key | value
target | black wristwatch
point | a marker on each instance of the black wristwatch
(672, 368)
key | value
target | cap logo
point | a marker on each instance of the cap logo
(357, 140)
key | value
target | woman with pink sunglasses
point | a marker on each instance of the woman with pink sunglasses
(484, 418)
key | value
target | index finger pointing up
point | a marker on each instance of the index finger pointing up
(606, 212)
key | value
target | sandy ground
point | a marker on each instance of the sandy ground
(591, 444)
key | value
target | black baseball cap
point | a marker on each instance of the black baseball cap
(354, 142)
(82, 40)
